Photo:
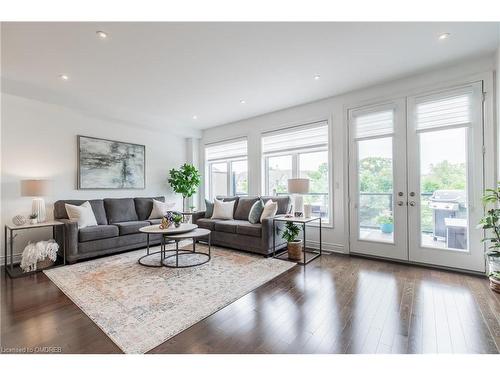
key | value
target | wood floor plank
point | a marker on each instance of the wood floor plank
(337, 304)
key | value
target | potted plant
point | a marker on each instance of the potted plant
(185, 181)
(177, 218)
(491, 225)
(33, 218)
(294, 245)
(386, 222)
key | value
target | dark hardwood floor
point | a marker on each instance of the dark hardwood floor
(337, 304)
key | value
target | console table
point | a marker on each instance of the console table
(303, 221)
(14, 270)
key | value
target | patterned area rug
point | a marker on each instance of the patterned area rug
(141, 307)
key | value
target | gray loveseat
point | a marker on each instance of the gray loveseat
(118, 219)
(239, 233)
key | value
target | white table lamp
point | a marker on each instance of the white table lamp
(297, 187)
(36, 189)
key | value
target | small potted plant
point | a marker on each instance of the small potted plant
(177, 218)
(491, 225)
(33, 218)
(192, 208)
(386, 222)
(294, 245)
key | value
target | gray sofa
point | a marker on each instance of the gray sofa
(118, 219)
(239, 233)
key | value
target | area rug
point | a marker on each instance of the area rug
(141, 307)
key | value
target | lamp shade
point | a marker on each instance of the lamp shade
(34, 188)
(298, 185)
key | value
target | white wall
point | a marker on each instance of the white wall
(334, 109)
(39, 141)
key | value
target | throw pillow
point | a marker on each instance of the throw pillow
(270, 209)
(209, 210)
(223, 210)
(256, 212)
(160, 209)
(82, 214)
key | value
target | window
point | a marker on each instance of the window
(299, 152)
(226, 168)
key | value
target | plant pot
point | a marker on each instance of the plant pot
(295, 250)
(494, 284)
(177, 225)
(33, 221)
(387, 228)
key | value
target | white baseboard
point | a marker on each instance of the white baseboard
(327, 246)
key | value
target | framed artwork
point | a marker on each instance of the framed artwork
(106, 164)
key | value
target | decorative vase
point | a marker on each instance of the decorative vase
(307, 210)
(19, 220)
(33, 221)
(387, 228)
(295, 250)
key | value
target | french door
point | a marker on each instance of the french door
(416, 178)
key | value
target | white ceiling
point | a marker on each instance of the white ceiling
(160, 75)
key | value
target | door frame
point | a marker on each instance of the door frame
(491, 138)
(397, 249)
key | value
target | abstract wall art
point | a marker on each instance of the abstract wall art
(106, 164)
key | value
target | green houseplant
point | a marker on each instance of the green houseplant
(294, 245)
(386, 222)
(185, 181)
(177, 218)
(491, 225)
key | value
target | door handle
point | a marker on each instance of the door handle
(400, 203)
(412, 203)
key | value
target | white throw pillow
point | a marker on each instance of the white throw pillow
(160, 209)
(270, 209)
(223, 210)
(83, 214)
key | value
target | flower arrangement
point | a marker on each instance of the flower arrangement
(169, 218)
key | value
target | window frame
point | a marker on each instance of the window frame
(295, 153)
(229, 170)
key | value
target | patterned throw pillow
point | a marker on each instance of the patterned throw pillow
(209, 208)
(255, 212)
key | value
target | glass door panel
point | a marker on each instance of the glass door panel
(443, 189)
(375, 189)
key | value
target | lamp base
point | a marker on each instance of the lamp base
(298, 205)
(38, 208)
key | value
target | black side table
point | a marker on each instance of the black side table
(14, 270)
(303, 221)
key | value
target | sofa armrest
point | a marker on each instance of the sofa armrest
(197, 215)
(70, 236)
(267, 232)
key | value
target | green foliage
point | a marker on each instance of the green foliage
(318, 179)
(375, 175)
(385, 218)
(33, 216)
(177, 218)
(491, 221)
(444, 175)
(185, 180)
(291, 231)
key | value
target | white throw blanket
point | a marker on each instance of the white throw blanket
(36, 252)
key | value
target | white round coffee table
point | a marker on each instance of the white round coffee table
(194, 234)
(171, 230)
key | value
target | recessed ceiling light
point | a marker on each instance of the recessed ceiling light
(64, 77)
(444, 36)
(101, 34)
(195, 117)
(242, 101)
(317, 77)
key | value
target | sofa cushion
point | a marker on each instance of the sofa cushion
(206, 223)
(249, 229)
(284, 203)
(96, 204)
(144, 206)
(228, 226)
(229, 199)
(244, 206)
(131, 227)
(97, 232)
(256, 212)
(119, 210)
